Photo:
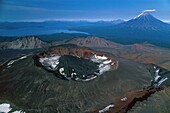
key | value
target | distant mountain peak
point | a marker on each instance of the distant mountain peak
(145, 13)
(145, 21)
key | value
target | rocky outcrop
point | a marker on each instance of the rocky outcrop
(124, 103)
(131, 99)
(31, 42)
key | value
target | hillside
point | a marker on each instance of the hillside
(37, 86)
(31, 42)
(93, 42)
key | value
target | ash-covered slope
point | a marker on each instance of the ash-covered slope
(76, 63)
(35, 89)
(31, 42)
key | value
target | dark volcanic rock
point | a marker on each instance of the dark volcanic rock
(83, 68)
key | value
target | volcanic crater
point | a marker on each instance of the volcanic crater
(76, 63)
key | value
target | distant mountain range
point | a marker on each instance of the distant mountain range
(47, 27)
(34, 42)
(142, 28)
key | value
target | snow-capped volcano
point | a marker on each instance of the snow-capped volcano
(142, 28)
(145, 21)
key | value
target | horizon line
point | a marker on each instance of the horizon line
(73, 20)
(44, 20)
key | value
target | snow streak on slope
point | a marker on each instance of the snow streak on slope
(5, 108)
(158, 79)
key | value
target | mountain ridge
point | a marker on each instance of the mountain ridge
(33, 42)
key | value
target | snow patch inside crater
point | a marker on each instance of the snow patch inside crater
(105, 64)
(52, 63)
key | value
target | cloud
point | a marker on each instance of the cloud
(37, 9)
(145, 12)
(149, 11)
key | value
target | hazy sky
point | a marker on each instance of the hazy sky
(39, 10)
